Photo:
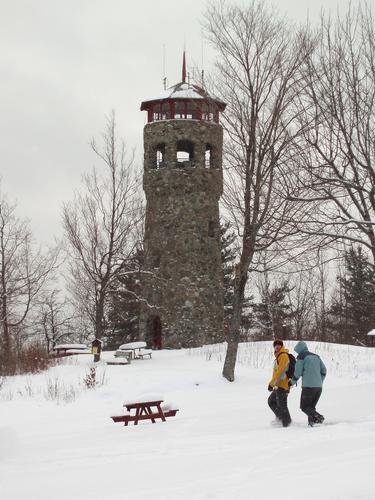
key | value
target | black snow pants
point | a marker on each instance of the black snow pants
(278, 402)
(309, 399)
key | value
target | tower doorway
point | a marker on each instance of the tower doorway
(156, 332)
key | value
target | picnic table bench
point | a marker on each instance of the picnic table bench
(145, 410)
(123, 354)
(136, 350)
(61, 350)
(142, 353)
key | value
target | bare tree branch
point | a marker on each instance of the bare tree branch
(258, 62)
(100, 225)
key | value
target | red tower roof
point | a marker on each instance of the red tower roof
(183, 90)
(183, 100)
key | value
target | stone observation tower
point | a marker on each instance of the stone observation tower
(183, 181)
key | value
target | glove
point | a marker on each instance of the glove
(270, 388)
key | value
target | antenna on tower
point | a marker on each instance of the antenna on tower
(184, 67)
(164, 75)
(202, 63)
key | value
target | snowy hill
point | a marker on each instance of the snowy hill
(57, 440)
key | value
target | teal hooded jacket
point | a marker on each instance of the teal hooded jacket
(309, 366)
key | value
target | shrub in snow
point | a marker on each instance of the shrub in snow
(94, 378)
(90, 378)
(32, 358)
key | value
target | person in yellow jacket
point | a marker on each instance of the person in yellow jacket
(278, 385)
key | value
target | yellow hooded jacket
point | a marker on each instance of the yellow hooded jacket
(280, 366)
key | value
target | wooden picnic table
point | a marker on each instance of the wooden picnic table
(137, 350)
(145, 410)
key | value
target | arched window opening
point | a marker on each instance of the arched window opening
(185, 154)
(208, 156)
(183, 157)
(160, 156)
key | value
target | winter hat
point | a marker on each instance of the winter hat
(278, 342)
(300, 347)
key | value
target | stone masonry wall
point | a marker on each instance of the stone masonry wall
(182, 236)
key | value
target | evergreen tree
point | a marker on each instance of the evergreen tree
(228, 257)
(273, 312)
(355, 307)
(124, 309)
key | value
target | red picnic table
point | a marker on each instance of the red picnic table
(144, 410)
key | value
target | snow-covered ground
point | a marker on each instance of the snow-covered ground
(57, 440)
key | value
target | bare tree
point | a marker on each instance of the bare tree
(99, 226)
(301, 298)
(337, 152)
(55, 318)
(24, 269)
(310, 294)
(258, 58)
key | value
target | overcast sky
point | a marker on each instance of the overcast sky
(65, 64)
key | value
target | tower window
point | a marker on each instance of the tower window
(179, 110)
(208, 156)
(156, 112)
(182, 157)
(185, 110)
(189, 110)
(165, 111)
(207, 112)
(160, 156)
(185, 153)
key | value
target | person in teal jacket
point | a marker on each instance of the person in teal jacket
(311, 368)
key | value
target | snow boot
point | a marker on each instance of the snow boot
(276, 422)
(319, 419)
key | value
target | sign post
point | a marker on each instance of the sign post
(96, 349)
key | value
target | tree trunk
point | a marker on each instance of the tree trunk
(235, 322)
(6, 340)
(99, 316)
